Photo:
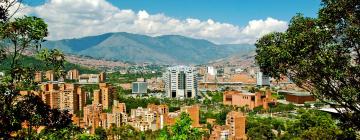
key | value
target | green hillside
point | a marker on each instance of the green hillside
(167, 49)
(35, 63)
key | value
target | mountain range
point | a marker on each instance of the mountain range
(166, 49)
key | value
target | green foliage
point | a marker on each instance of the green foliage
(312, 124)
(307, 105)
(318, 104)
(261, 132)
(261, 128)
(101, 133)
(173, 104)
(282, 107)
(17, 36)
(321, 55)
(70, 132)
(221, 116)
(216, 96)
(181, 130)
(86, 136)
(35, 62)
(133, 103)
(308, 124)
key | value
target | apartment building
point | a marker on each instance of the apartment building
(63, 96)
(102, 77)
(234, 128)
(193, 111)
(144, 119)
(69, 99)
(103, 96)
(49, 75)
(236, 122)
(94, 116)
(150, 118)
(250, 100)
(180, 82)
(73, 74)
(38, 76)
(219, 132)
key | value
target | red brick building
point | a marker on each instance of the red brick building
(251, 100)
(299, 97)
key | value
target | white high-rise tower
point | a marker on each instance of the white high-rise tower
(180, 82)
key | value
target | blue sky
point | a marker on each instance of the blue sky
(219, 21)
(237, 12)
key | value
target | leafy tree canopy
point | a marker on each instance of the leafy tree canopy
(321, 55)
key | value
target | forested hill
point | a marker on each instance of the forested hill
(29, 61)
(167, 49)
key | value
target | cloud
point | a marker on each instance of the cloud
(78, 18)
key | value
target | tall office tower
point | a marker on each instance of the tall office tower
(211, 70)
(262, 79)
(139, 87)
(180, 82)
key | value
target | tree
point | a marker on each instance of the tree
(312, 124)
(321, 55)
(261, 132)
(262, 128)
(101, 133)
(182, 130)
(18, 36)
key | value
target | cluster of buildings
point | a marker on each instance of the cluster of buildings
(179, 82)
(73, 74)
(155, 117)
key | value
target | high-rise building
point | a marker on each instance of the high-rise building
(236, 122)
(38, 76)
(103, 96)
(194, 112)
(72, 74)
(69, 99)
(49, 75)
(262, 79)
(102, 77)
(118, 107)
(180, 82)
(63, 96)
(211, 71)
(139, 87)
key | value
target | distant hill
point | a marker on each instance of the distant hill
(30, 61)
(167, 49)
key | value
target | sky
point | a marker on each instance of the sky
(219, 21)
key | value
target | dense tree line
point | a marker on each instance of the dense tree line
(308, 124)
(18, 35)
(321, 55)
